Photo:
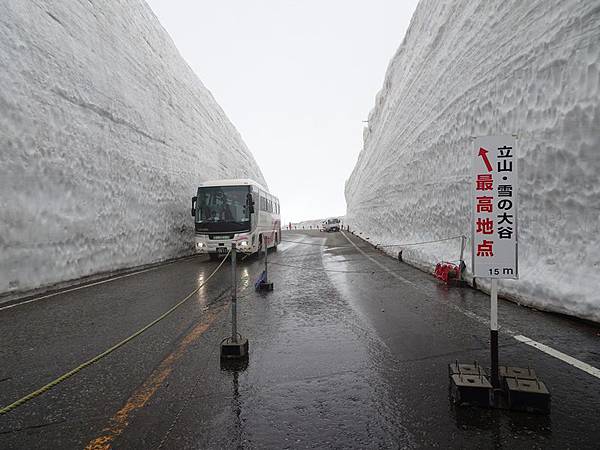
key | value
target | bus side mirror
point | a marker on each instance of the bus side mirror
(194, 206)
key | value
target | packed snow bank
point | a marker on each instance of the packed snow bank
(469, 68)
(105, 133)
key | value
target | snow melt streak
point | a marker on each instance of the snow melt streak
(470, 68)
(106, 133)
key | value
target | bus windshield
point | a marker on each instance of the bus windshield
(223, 208)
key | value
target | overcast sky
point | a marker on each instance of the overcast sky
(296, 78)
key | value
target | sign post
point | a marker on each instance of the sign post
(263, 283)
(234, 333)
(495, 256)
(235, 346)
(266, 258)
(494, 333)
(494, 222)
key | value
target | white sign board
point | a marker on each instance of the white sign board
(494, 207)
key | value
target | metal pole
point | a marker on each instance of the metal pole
(266, 255)
(462, 254)
(494, 332)
(233, 295)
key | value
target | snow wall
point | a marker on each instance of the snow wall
(473, 68)
(105, 133)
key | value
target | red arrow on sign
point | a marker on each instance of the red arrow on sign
(483, 153)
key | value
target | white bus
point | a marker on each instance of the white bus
(240, 211)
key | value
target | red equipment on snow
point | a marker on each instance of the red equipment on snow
(446, 271)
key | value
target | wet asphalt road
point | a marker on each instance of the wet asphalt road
(343, 354)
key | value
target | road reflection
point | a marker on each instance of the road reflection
(501, 424)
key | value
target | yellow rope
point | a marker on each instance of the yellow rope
(96, 358)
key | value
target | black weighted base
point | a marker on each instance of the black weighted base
(469, 385)
(234, 350)
(265, 286)
(520, 389)
(524, 390)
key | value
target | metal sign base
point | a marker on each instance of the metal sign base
(234, 350)
(267, 286)
(519, 389)
(469, 385)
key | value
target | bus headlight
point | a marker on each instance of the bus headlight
(243, 243)
(200, 245)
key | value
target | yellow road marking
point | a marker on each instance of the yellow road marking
(142, 394)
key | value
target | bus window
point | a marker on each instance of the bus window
(224, 204)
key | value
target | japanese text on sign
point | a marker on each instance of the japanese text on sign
(494, 211)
